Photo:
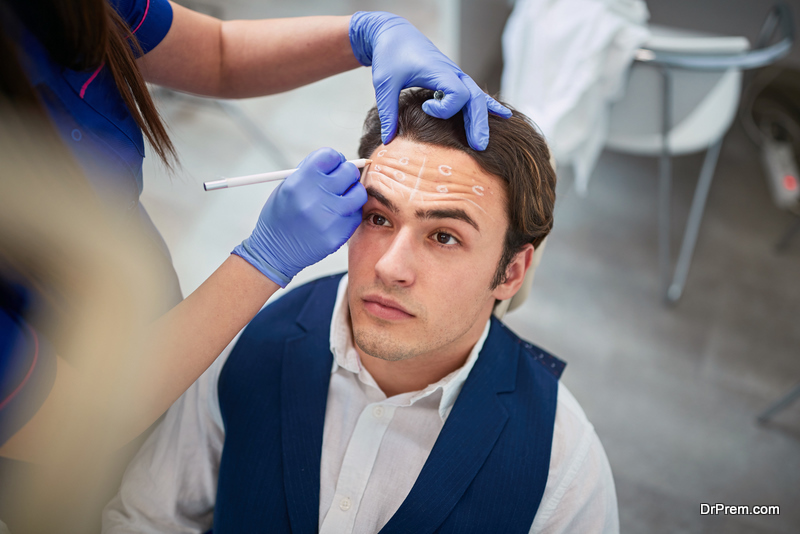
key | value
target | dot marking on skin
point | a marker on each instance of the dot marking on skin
(442, 189)
(478, 190)
(403, 161)
(377, 168)
(399, 176)
(381, 153)
(446, 170)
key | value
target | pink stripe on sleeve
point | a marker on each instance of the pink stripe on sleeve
(91, 79)
(146, 9)
(30, 371)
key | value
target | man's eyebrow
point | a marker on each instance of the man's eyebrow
(377, 195)
(448, 213)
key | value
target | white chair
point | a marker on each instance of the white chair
(681, 98)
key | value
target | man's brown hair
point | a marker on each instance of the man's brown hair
(517, 154)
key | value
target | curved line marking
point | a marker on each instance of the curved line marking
(91, 79)
(30, 371)
(146, 10)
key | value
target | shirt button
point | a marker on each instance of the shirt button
(345, 504)
(377, 411)
(76, 134)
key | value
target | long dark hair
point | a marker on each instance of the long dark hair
(83, 35)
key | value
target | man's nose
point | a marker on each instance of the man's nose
(396, 266)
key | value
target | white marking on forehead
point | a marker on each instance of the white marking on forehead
(377, 167)
(442, 188)
(381, 153)
(399, 176)
(478, 206)
(419, 178)
(403, 161)
(446, 170)
(478, 190)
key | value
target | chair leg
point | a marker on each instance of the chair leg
(693, 223)
(665, 185)
(779, 405)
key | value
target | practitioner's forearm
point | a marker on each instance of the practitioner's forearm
(245, 58)
(103, 406)
(185, 342)
(271, 56)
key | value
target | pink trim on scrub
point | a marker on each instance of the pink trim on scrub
(146, 9)
(30, 371)
(91, 79)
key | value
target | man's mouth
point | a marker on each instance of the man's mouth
(384, 308)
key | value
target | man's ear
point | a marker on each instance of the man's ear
(515, 273)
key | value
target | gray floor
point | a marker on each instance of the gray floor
(673, 393)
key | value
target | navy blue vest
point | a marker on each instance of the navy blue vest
(487, 470)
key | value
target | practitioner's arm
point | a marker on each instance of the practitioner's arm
(244, 58)
(176, 350)
(308, 217)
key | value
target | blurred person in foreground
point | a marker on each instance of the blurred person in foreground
(83, 367)
(389, 398)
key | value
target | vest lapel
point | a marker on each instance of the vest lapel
(304, 393)
(467, 438)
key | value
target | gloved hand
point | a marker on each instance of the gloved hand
(402, 57)
(308, 217)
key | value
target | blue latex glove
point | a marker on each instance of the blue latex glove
(309, 216)
(402, 57)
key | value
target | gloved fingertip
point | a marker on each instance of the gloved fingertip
(325, 159)
(497, 108)
(356, 197)
(437, 109)
(478, 141)
(387, 136)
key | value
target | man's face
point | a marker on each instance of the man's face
(422, 262)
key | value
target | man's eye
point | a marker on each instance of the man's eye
(445, 239)
(377, 220)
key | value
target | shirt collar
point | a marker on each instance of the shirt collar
(346, 359)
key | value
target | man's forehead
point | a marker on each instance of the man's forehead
(407, 172)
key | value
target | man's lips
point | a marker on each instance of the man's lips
(384, 308)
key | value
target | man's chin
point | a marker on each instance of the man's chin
(381, 346)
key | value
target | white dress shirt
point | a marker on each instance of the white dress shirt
(373, 449)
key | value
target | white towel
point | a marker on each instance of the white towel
(565, 63)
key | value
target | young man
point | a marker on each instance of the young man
(388, 399)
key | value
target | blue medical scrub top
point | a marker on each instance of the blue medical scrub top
(89, 111)
(95, 124)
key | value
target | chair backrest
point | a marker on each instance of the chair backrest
(703, 103)
(705, 76)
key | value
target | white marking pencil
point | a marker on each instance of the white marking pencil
(265, 177)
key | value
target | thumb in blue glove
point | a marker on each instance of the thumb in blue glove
(402, 57)
(309, 216)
